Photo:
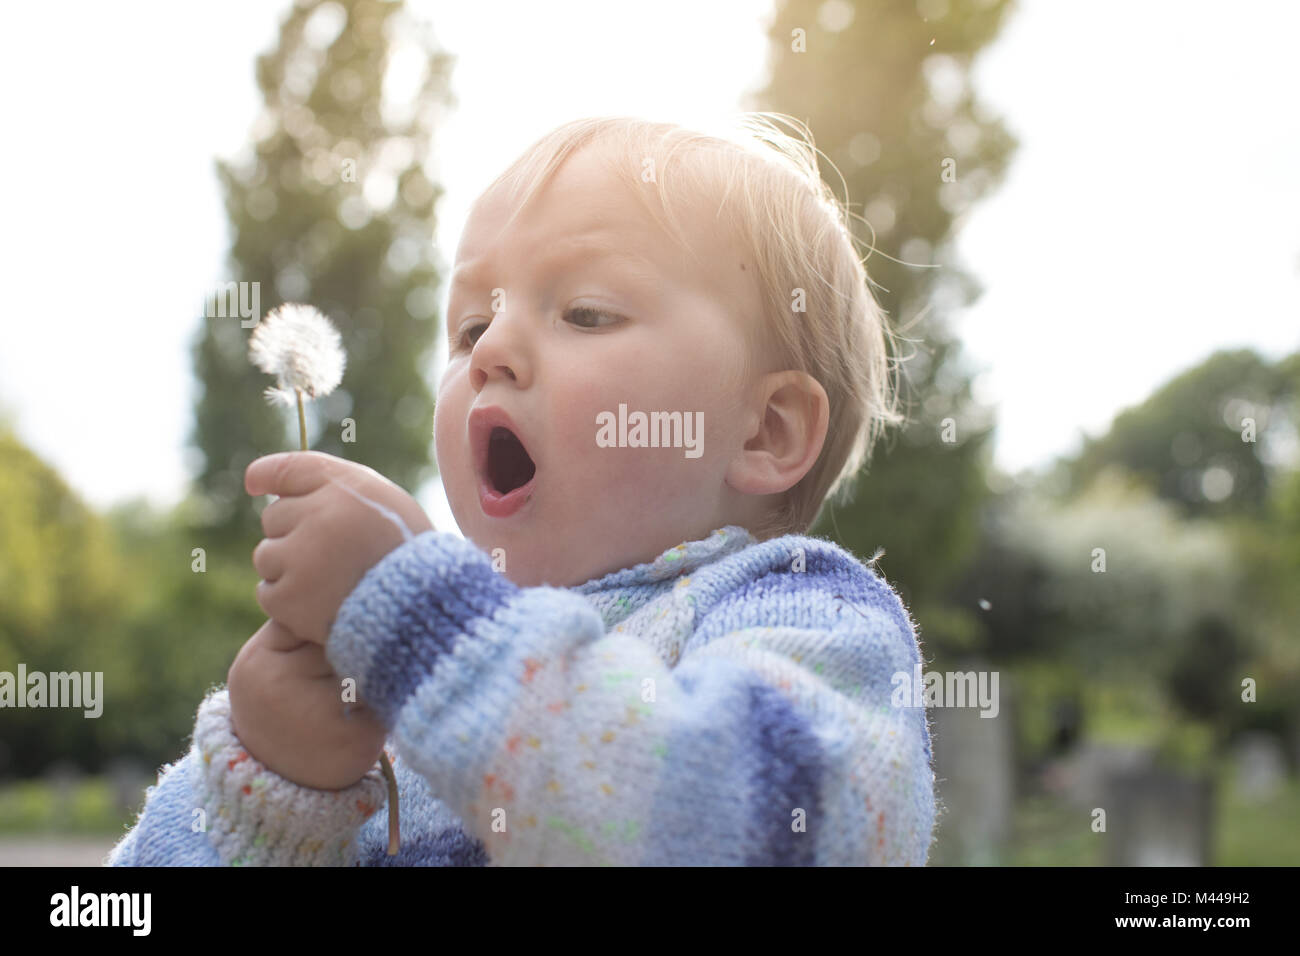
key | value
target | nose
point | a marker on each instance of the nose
(499, 353)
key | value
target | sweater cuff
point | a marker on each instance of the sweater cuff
(408, 612)
(255, 817)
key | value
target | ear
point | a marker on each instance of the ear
(792, 417)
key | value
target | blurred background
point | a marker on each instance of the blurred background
(1083, 223)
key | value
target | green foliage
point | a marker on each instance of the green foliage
(1185, 437)
(1197, 596)
(1200, 676)
(1043, 690)
(1125, 587)
(333, 207)
(1287, 511)
(56, 565)
(888, 108)
(59, 580)
(1237, 415)
(37, 806)
(180, 634)
(1267, 549)
(1125, 570)
(119, 597)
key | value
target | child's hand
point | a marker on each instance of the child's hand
(320, 539)
(286, 704)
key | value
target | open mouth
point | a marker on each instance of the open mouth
(508, 464)
(505, 471)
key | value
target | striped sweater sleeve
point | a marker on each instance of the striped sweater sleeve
(219, 806)
(765, 736)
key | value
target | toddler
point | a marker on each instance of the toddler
(663, 358)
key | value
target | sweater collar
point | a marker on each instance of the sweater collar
(675, 562)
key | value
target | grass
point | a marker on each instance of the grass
(1046, 831)
(1265, 833)
(1049, 832)
(33, 807)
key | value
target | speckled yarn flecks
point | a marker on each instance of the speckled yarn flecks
(728, 703)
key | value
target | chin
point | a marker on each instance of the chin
(548, 575)
(523, 577)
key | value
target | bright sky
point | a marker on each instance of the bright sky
(1151, 216)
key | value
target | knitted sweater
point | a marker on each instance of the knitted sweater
(728, 703)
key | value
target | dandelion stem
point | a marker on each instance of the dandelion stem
(394, 831)
(298, 345)
(302, 420)
(394, 834)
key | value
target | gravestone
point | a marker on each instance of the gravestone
(1080, 777)
(1260, 766)
(1158, 817)
(974, 764)
(128, 778)
(63, 777)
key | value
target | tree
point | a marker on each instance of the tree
(59, 581)
(333, 207)
(1127, 578)
(186, 616)
(887, 94)
(1111, 594)
(1203, 440)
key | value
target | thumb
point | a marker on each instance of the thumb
(263, 475)
(289, 473)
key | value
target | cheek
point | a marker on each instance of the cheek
(643, 475)
(449, 416)
(646, 383)
(573, 406)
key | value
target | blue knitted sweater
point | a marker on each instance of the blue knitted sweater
(728, 703)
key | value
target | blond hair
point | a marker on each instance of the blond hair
(768, 192)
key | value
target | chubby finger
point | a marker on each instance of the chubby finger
(289, 473)
(269, 559)
(281, 516)
(265, 597)
(283, 602)
(274, 636)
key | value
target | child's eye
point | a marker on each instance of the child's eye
(588, 318)
(464, 341)
(582, 316)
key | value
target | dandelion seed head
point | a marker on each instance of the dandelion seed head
(280, 396)
(301, 348)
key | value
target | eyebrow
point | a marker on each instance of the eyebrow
(567, 252)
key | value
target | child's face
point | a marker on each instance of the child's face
(663, 335)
